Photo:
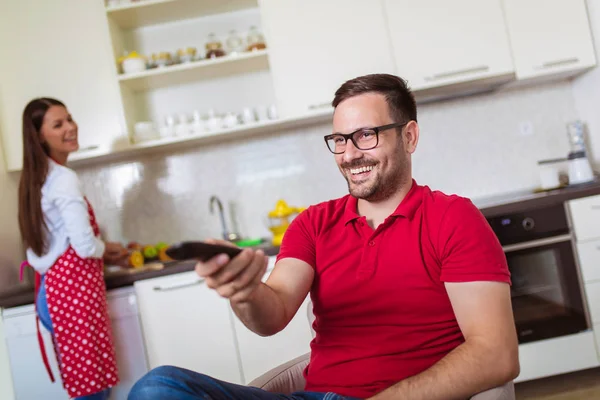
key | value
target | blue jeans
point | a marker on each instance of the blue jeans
(172, 383)
(44, 316)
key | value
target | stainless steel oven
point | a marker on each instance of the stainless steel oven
(546, 292)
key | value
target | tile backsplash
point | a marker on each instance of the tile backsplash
(470, 146)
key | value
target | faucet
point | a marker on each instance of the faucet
(230, 236)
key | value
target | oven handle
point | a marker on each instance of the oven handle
(537, 243)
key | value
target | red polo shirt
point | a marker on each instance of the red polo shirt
(382, 313)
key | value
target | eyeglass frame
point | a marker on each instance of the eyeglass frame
(350, 135)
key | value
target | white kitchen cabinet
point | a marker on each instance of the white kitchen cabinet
(589, 260)
(593, 296)
(314, 46)
(585, 214)
(58, 49)
(260, 354)
(437, 43)
(6, 387)
(549, 37)
(188, 325)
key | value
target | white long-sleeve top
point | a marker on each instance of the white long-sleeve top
(67, 219)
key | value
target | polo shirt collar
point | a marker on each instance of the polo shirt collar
(407, 207)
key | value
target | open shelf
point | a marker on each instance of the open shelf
(196, 70)
(97, 155)
(152, 12)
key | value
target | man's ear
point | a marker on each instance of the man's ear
(411, 136)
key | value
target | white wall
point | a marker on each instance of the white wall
(10, 242)
(586, 89)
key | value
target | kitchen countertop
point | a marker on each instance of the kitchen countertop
(24, 295)
(529, 199)
(490, 207)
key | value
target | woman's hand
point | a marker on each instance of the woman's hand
(116, 254)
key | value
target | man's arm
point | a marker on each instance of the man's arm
(274, 303)
(488, 357)
(265, 308)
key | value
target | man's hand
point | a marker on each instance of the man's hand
(116, 254)
(235, 279)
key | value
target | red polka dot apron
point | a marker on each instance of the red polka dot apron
(76, 296)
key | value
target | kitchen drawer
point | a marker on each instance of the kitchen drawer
(589, 260)
(593, 298)
(585, 213)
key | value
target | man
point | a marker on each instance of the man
(410, 287)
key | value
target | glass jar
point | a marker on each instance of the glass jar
(214, 48)
(235, 43)
(256, 40)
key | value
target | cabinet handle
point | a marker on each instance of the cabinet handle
(178, 286)
(443, 75)
(595, 207)
(557, 63)
(319, 106)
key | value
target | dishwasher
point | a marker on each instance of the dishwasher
(30, 378)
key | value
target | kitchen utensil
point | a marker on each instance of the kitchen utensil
(214, 47)
(235, 44)
(256, 40)
(280, 218)
(272, 112)
(133, 63)
(248, 116)
(262, 113)
(145, 130)
(550, 171)
(186, 55)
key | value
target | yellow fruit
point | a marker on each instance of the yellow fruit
(162, 255)
(136, 259)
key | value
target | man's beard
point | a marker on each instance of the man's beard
(379, 187)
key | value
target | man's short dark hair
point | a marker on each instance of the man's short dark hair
(400, 99)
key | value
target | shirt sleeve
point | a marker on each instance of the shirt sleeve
(470, 249)
(69, 200)
(299, 240)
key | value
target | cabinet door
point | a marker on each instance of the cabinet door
(589, 260)
(549, 37)
(188, 325)
(260, 354)
(585, 214)
(440, 42)
(58, 49)
(314, 46)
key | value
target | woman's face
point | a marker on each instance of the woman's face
(59, 132)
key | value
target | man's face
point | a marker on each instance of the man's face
(375, 174)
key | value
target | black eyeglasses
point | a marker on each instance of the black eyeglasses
(363, 139)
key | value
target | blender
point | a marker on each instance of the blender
(580, 170)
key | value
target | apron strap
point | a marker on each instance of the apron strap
(38, 280)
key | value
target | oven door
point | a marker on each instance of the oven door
(547, 299)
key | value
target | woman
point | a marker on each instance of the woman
(60, 232)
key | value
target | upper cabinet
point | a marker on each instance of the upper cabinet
(58, 49)
(314, 46)
(549, 37)
(437, 43)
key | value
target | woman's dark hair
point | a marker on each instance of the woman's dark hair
(35, 169)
